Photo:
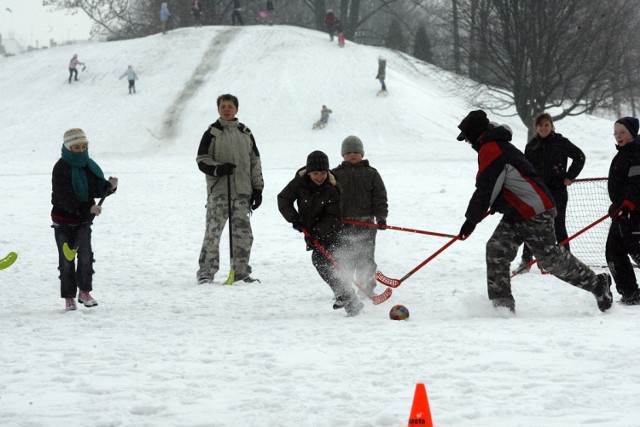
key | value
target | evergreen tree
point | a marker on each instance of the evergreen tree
(395, 38)
(422, 46)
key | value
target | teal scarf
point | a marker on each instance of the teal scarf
(78, 162)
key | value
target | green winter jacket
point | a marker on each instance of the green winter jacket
(364, 196)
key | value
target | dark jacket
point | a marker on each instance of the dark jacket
(364, 196)
(506, 182)
(318, 206)
(67, 208)
(549, 156)
(624, 174)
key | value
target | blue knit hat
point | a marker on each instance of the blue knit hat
(631, 123)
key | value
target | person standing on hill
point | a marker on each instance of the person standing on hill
(340, 32)
(623, 239)
(549, 152)
(236, 15)
(317, 195)
(507, 183)
(131, 78)
(196, 11)
(330, 23)
(382, 72)
(228, 150)
(73, 67)
(364, 199)
(76, 181)
(270, 9)
(164, 16)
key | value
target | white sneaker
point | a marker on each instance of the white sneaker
(86, 299)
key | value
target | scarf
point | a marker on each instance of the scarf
(78, 162)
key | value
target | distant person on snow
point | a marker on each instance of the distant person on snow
(228, 150)
(131, 77)
(270, 12)
(340, 32)
(315, 192)
(330, 23)
(73, 67)
(364, 199)
(507, 183)
(382, 70)
(164, 16)
(324, 117)
(236, 15)
(196, 11)
(76, 181)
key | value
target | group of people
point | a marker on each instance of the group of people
(129, 73)
(198, 14)
(334, 26)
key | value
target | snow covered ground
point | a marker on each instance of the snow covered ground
(161, 351)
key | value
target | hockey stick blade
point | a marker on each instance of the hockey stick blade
(379, 299)
(231, 278)
(8, 260)
(387, 281)
(69, 254)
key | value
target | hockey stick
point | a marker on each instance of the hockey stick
(232, 272)
(376, 299)
(8, 260)
(393, 227)
(565, 241)
(394, 283)
(69, 253)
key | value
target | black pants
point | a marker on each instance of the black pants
(619, 247)
(236, 16)
(561, 197)
(132, 86)
(73, 72)
(72, 278)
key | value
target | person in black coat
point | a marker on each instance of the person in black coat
(624, 191)
(549, 153)
(315, 191)
(76, 181)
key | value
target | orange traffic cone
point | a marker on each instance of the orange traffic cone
(420, 411)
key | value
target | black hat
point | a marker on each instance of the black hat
(631, 123)
(473, 126)
(317, 162)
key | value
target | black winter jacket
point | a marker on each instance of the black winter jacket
(364, 196)
(318, 206)
(624, 174)
(549, 157)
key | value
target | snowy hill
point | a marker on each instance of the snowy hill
(160, 350)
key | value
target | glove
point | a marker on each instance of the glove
(613, 210)
(95, 210)
(382, 224)
(225, 169)
(114, 183)
(256, 199)
(297, 225)
(466, 229)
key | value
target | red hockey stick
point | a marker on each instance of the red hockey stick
(393, 227)
(394, 283)
(376, 299)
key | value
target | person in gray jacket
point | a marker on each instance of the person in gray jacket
(131, 76)
(228, 150)
(364, 199)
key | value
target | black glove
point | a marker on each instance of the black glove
(382, 224)
(297, 225)
(466, 229)
(225, 169)
(256, 199)
(613, 210)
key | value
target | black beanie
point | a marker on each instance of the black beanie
(317, 162)
(631, 123)
(473, 126)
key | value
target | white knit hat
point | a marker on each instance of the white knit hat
(73, 137)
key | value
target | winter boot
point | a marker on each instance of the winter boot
(70, 304)
(353, 307)
(631, 299)
(245, 278)
(602, 291)
(340, 302)
(86, 299)
(205, 280)
(522, 268)
(506, 303)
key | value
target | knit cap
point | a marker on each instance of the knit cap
(317, 162)
(631, 123)
(473, 126)
(352, 144)
(74, 136)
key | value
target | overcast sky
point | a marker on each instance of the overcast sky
(30, 23)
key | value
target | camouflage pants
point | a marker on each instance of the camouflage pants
(217, 216)
(538, 233)
(358, 254)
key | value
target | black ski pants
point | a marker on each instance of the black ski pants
(72, 278)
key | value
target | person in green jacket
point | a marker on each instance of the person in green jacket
(364, 199)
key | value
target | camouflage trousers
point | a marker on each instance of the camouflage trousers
(217, 216)
(538, 233)
(357, 254)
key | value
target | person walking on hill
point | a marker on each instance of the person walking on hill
(270, 9)
(317, 195)
(623, 239)
(549, 152)
(340, 32)
(236, 15)
(73, 67)
(196, 11)
(164, 16)
(382, 72)
(76, 181)
(228, 151)
(364, 199)
(131, 76)
(507, 183)
(330, 23)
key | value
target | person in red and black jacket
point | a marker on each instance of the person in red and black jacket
(624, 192)
(507, 183)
